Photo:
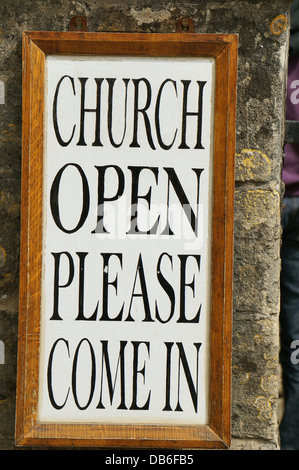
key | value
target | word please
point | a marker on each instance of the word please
(177, 300)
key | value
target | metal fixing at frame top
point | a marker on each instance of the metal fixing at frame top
(185, 25)
(78, 23)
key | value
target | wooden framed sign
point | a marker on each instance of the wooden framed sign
(126, 243)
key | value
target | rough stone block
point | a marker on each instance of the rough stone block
(256, 277)
(257, 211)
(255, 379)
(252, 165)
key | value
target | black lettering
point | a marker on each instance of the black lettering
(50, 374)
(157, 116)
(106, 284)
(167, 406)
(143, 110)
(97, 110)
(57, 286)
(186, 206)
(55, 122)
(92, 374)
(135, 196)
(192, 388)
(111, 386)
(111, 82)
(183, 285)
(134, 405)
(198, 113)
(54, 199)
(167, 288)
(81, 316)
(143, 294)
(102, 199)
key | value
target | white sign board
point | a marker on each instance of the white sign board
(125, 318)
(126, 240)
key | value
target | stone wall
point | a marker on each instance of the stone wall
(263, 34)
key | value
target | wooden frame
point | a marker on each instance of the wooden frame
(36, 46)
